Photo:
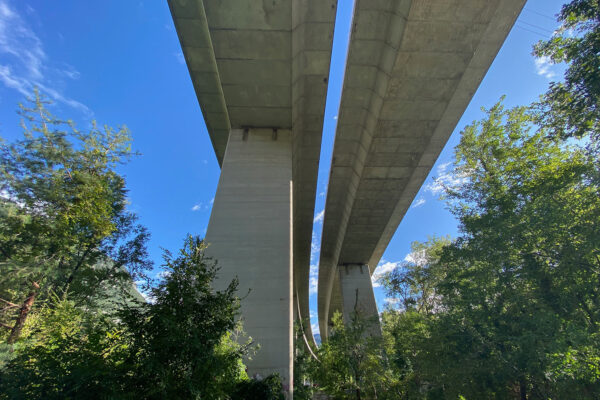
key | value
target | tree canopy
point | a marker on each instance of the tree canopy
(63, 216)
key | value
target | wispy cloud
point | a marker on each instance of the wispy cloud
(418, 203)
(203, 205)
(313, 279)
(313, 285)
(180, 57)
(391, 301)
(315, 328)
(147, 296)
(383, 268)
(319, 216)
(26, 65)
(544, 67)
(446, 177)
(315, 247)
(163, 274)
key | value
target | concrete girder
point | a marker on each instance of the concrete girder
(258, 64)
(413, 66)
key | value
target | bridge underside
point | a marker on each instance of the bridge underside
(263, 65)
(413, 66)
(260, 71)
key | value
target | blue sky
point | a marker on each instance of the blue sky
(120, 62)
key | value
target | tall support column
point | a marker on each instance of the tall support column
(250, 235)
(357, 295)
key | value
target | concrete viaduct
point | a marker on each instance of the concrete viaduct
(260, 71)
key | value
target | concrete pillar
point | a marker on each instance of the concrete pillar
(250, 235)
(357, 295)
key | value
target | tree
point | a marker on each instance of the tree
(351, 363)
(66, 353)
(182, 345)
(63, 213)
(572, 107)
(517, 301)
(183, 341)
(415, 282)
(524, 272)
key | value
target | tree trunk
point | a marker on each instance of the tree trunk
(523, 388)
(25, 308)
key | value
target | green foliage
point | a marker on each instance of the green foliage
(63, 212)
(303, 365)
(414, 284)
(572, 107)
(351, 363)
(269, 388)
(67, 353)
(182, 341)
(512, 306)
(180, 346)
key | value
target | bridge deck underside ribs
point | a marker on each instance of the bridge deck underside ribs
(413, 66)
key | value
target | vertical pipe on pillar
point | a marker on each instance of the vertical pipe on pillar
(357, 295)
(250, 235)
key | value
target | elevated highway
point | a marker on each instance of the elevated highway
(260, 71)
(261, 66)
(413, 66)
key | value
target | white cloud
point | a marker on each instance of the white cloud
(180, 57)
(335, 117)
(544, 67)
(319, 216)
(148, 297)
(25, 64)
(418, 203)
(313, 284)
(203, 206)
(446, 177)
(315, 247)
(313, 280)
(315, 328)
(392, 301)
(163, 274)
(70, 72)
(383, 268)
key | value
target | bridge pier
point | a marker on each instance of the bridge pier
(357, 295)
(250, 234)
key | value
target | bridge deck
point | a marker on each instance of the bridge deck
(413, 67)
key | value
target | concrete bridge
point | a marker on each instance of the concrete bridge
(260, 70)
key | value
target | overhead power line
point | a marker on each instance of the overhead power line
(541, 28)
(540, 34)
(540, 13)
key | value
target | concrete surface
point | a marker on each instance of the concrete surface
(264, 64)
(250, 235)
(412, 69)
(358, 297)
